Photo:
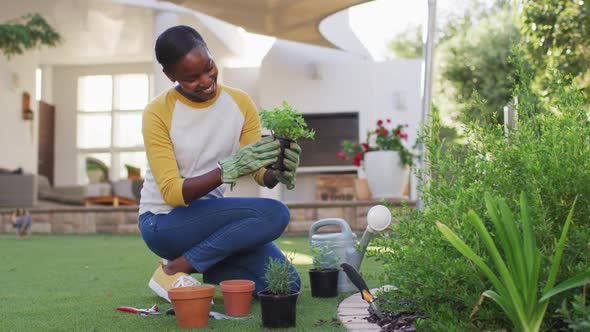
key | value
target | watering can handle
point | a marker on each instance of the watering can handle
(344, 227)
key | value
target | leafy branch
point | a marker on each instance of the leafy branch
(27, 32)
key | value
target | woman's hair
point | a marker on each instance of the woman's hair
(176, 42)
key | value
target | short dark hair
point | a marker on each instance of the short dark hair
(176, 42)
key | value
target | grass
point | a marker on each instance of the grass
(75, 282)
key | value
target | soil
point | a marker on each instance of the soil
(395, 321)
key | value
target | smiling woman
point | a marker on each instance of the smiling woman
(199, 137)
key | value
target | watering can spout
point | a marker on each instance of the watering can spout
(378, 219)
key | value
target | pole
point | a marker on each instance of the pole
(427, 92)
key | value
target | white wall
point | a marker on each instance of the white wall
(18, 138)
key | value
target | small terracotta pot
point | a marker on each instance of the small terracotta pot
(362, 189)
(237, 296)
(192, 304)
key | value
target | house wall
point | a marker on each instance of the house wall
(18, 138)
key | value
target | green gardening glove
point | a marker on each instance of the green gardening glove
(248, 159)
(291, 162)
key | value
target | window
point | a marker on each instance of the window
(109, 121)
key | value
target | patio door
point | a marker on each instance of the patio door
(46, 145)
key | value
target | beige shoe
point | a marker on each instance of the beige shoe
(160, 282)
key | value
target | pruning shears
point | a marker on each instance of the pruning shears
(154, 310)
(360, 283)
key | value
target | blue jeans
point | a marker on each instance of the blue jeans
(223, 238)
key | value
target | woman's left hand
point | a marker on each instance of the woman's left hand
(291, 162)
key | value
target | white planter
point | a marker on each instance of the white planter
(385, 174)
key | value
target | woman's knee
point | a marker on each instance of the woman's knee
(296, 284)
(280, 215)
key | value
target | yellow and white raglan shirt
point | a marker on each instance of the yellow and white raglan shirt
(184, 139)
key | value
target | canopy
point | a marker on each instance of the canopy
(296, 20)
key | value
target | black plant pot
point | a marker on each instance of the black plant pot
(278, 310)
(324, 283)
(285, 143)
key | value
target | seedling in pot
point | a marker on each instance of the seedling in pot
(323, 277)
(287, 125)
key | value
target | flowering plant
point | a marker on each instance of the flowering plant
(380, 139)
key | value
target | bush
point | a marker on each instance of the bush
(578, 316)
(547, 156)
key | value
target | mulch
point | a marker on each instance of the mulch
(395, 321)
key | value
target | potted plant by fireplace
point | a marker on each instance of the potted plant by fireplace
(287, 125)
(384, 157)
(323, 278)
(278, 302)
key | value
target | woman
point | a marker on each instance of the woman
(200, 136)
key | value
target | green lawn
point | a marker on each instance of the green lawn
(75, 282)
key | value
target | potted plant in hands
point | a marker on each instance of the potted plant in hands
(287, 125)
(385, 158)
(323, 277)
(278, 302)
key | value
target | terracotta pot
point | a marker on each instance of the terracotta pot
(237, 296)
(192, 304)
(362, 189)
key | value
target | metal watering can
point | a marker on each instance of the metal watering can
(343, 245)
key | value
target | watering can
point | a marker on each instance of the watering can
(343, 245)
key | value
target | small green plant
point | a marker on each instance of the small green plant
(26, 32)
(286, 123)
(518, 263)
(323, 257)
(578, 316)
(279, 275)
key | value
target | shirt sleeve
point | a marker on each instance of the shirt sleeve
(251, 131)
(160, 153)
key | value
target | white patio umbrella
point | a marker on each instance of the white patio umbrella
(296, 20)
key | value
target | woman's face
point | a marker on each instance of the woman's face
(196, 74)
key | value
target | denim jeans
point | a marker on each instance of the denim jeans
(223, 238)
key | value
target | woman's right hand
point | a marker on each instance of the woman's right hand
(249, 158)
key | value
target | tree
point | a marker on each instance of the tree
(556, 37)
(27, 32)
(478, 60)
(408, 44)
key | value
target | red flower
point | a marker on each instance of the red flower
(398, 132)
(404, 136)
(341, 155)
(358, 158)
(377, 131)
(365, 146)
(385, 132)
(388, 120)
(379, 122)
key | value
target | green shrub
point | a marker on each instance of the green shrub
(547, 156)
(577, 316)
